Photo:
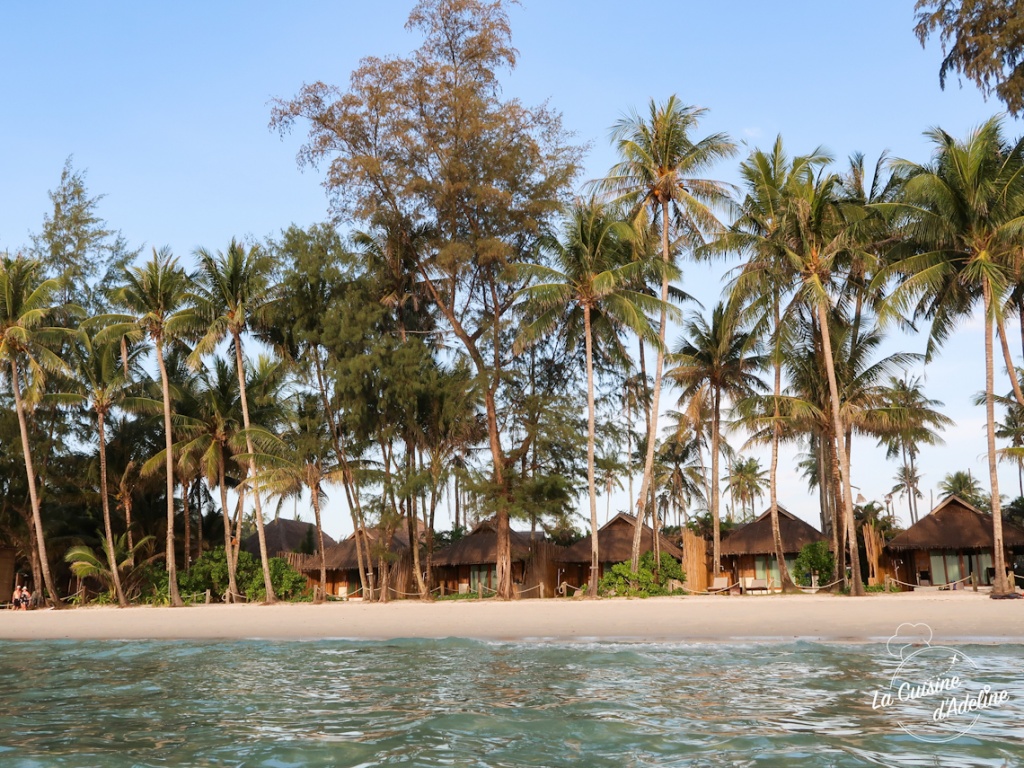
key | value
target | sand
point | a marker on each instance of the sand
(953, 617)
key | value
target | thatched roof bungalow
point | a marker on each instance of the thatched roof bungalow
(614, 545)
(284, 536)
(748, 552)
(342, 563)
(470, 564)
(950, 544)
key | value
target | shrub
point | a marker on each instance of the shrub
(814, 557)
(210, 572)
(621, 580)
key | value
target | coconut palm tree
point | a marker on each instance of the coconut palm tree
(591, 271)
(964, 215)
(746, 482)
(156, 297)
(233, 291)
(104, 373)
(765, 282)
(724, 358)
(660, 168)
(302, 456)
(913, 422)
(25, 303)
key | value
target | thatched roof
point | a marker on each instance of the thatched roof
(283, 536)
(955, 524)
(343, 556)
(615, 543)
(755, 538)
(480, 546)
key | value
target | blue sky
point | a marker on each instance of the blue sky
(166, 107)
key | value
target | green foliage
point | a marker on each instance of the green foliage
(308, 545)
(643, 583)
(982, 40)
(882, 588)
(210, 572)
(814, 557)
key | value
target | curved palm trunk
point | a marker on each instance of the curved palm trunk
(30, 474)
(857, 588)
(314, 495)
(652, 421)
(780, 556)
(228, 548)
(412, 524)
(264, 559)
(172, 570)
(1011, 370)
(107, 527)
(591, 483)
(998, 553)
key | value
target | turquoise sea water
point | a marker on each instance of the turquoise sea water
(466, 703)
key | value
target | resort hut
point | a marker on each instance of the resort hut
(342, 562)
(614, 545)
(748, 552)
(284, 536)
(950, 544)
(470, 565)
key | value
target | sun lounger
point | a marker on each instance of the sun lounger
(757, 585)
(720, 585)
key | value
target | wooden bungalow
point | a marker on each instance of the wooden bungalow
(949, 544)
(343, 565)
(470, 565)
(748, 552)
(284, 536)
(7, 573)
(614, 545)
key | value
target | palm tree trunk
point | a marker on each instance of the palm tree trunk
(314, 495)
(172, 571)
(108, 529)
(228, 548)
(826, 342)
(998, 552)
(780, 556)
(412, 522)
(186, 513)
(1011, 370)
(30, 475)
(716, 522)
(261, 534)
(652, 421)
(591, 483)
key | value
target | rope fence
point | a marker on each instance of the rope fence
(950, 585)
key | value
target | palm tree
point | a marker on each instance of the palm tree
(105, 372)
(25, 303)
(302, 456)
(914, 422)
(211, 440)
(765, 284)
(658, 162)
(1012, 428)
(592, 268)
(964, 216)
(746, 482)
(157, 297)
(964, 485)
(722, 357)
(233, 292)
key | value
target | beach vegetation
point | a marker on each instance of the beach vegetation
(647, 581)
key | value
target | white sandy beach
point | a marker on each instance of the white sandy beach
(954, 617)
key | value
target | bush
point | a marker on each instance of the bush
(643, 583)
(210, 572)
(814, 557)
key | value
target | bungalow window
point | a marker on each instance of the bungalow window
(482, 574)
(765, 567)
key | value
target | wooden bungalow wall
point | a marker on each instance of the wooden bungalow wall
(539, 572)
(695, 561)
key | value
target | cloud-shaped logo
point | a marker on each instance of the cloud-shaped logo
(908, 636)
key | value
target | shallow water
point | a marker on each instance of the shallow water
(466, 703)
